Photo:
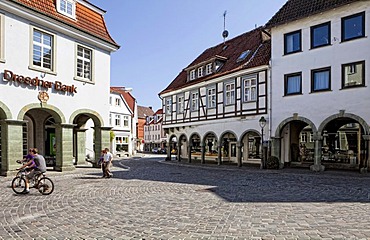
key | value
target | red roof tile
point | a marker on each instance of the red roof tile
(143, 112)
(253, 41)
(297, 9)
(87, 20)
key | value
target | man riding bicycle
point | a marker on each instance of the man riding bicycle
(37, 165)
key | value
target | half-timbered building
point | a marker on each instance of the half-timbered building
(213, 107)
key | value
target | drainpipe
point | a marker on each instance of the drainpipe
(270, 106)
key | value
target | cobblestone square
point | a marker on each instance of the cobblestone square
(149, 198)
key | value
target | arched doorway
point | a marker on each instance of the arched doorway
(89, 137)
(228, 147)
(195, 150)
(251, 150)
(210, 143)
(182, 148)
(343, 143)
(297, 143)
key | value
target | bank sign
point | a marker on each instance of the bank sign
(36, 82)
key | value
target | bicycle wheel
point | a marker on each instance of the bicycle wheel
(45, 186)
(19, 185)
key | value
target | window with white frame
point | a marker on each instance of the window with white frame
(110, 119)
(42, 50)
(194, 101)
(118, 120)
(67, 7)
(84, 63)
(211, 97)
(118, 102)
(192, 74)
(200, 72)
(110, 101)
(168, 106)
(229, 93)
(250, 88)
(180, 104)
(304, 137)
(311, 137)
(209, 68)
(125, 121)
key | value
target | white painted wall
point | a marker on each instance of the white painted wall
(320, 105)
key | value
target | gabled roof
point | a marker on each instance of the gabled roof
(229, 52)
(130, 100)
(143, 112)
(87, 19)
(298, 9)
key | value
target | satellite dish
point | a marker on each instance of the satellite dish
(225, 34)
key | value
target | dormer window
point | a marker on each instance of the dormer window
(209, 68)
(67, 8)
(192, 75)
(200, 72)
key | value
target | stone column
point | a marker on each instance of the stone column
(179, 151)
(317, 167)
(366, 161)
(168, 158)
(276, 150)
(219, 154)
(80, 146)
(64, 147)
(189, 152)
(203, 152)
(102, 140)
(11, 146)
(239, 146)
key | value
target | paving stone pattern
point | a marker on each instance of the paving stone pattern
(149, 198)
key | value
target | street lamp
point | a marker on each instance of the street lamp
(262, 123)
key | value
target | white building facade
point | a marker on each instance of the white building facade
(155, 137)
(55, 74)
(123, 122)
(213, 107)
(320, 76)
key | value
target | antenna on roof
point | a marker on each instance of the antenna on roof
(225, 33)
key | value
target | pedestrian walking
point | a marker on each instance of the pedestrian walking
(107, 162)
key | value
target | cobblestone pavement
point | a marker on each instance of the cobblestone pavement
(151, 199)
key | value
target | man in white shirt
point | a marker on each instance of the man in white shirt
(107, 162)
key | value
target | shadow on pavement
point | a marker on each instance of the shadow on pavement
(253, 185)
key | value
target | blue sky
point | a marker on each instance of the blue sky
(159, 38)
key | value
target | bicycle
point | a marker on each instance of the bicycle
(44, 184)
